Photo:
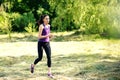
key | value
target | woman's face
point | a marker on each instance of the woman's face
(46, 20)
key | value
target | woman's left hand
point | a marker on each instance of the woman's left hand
(51, 35)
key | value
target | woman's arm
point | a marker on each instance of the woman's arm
(40, 36)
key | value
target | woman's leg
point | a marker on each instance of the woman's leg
(47, 49)
(40, 53)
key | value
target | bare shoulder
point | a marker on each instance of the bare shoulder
(48, 25)
(41, 26)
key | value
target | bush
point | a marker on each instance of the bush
(73, 14)
(30, 28)
(95, 15)
(5, 23)
(21, 21)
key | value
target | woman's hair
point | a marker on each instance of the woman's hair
(40, 21)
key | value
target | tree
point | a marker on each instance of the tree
(5, 24)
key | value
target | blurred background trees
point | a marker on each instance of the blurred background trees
(87, 16)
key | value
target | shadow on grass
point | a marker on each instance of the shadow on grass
(60, 36)
(100, 67)
(83, 66)
(81, 36)
(76, 37)
(33, 38)
(30, 38)
(63, 36)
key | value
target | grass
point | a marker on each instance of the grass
(74, 67)
(59, 37)
(94, 59)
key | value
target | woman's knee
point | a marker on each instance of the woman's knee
(39, 59)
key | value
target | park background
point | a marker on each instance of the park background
(86, 46)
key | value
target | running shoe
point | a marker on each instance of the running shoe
(32, 68)
(50, 75)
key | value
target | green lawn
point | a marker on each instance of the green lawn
(97, 59)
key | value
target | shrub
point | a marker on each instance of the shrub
(5, 23)
(22, 21)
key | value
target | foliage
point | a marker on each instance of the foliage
(5, 23)
(30, 28)
(94, 16)
(5, 18)
(21, 21)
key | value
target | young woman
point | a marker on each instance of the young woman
(43, 43)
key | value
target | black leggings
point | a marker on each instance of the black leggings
(47, 48)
